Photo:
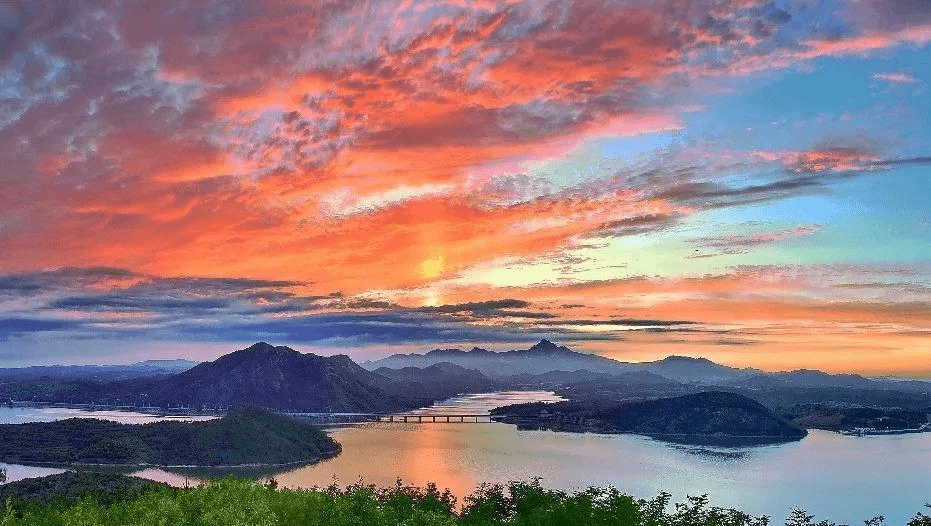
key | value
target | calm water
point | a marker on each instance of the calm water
(21, 415)
(844, 479)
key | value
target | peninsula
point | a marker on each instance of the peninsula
(247, 436)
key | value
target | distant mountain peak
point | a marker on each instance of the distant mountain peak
(684, 359)
(260, 346)
(257, 353)
(263, 347)
(282, 378)
(548, 346)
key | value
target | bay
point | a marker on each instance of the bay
(841, 478)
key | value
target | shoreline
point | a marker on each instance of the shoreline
(78, 465)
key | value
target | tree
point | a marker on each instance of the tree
(2, 476)
(921, 519)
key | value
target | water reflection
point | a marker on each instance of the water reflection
(483, 403)
(843, 479)
(16, 472)
(22, 415)
(717, 454)
(178, 480)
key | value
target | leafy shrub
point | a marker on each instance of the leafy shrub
(238, 502)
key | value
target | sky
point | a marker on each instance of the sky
(743, 180)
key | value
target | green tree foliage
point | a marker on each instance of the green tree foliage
(921, 519)
(237, 502)
(245, 436)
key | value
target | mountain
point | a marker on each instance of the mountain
(97, 372)
(718, 418)
(440, 380)
(809, 378)
(696, 370)
(543, 357)
(283, 379)
(546, 357)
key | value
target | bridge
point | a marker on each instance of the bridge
(425, 418)
(438, 418)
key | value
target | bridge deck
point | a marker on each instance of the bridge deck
(438, 418)
(430, 418)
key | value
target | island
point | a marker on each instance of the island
(247, 436)
(709, 418)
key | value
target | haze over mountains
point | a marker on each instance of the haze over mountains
(98, 372)
(543, 357)
(546, 357)
(282, 378)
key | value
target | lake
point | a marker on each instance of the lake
(844, 479)
(21, 415)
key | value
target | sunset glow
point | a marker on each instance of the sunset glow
(742, 180)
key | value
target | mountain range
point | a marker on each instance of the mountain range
(282, 378)
(546, 356)
(549, 360)
(543, 357)
(98, 372)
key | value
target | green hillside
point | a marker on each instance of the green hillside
(235, 502)
(246, 436)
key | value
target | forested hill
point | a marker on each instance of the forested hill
(73, 486)
(281, 378)
(246, 436)
(710, 417)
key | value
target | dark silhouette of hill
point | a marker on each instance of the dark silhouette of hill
(440, 380)
(706, 414)
(281, 378)
(248, 435)
(701, 418)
